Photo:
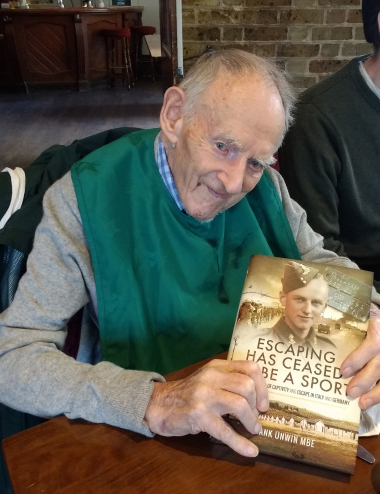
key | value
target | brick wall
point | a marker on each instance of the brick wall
(309, 38)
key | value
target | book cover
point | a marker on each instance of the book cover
(299, 320)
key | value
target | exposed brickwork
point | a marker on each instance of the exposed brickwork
(336, 16)
(330, 50)
(309, 38)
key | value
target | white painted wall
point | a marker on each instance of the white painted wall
(151, 13)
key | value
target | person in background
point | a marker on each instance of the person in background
(152, 235)
(330, 157)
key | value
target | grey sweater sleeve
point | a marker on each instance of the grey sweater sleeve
(35, 376)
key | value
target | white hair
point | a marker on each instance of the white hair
(237, 62)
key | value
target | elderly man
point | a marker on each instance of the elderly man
(330, 157)
(304, 296)
(152, 234)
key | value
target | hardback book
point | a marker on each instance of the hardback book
(299, 320)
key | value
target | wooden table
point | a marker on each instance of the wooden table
(75, 457)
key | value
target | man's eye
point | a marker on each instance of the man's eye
(226, 151)
(221, 146)
(255, 165)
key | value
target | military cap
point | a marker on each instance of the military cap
(297, 275)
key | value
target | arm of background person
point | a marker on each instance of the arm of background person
(310, 165)
(309, 242)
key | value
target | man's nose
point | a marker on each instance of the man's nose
(232, 176)
(307, 308)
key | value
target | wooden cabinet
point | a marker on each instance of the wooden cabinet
(57, 46)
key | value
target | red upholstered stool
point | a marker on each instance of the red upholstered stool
(139, 32)
(119, 65)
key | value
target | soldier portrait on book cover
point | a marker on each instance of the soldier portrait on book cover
(303, 296)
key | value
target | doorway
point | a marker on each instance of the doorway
(162, 15)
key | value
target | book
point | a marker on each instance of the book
(299, 320)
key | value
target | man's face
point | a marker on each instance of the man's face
(220, 154)
(304, 306)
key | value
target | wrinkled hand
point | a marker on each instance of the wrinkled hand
(198, 402)
(364, 364)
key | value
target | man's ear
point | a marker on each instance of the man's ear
(171, 117)
(282, 298)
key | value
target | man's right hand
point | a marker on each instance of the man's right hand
(197, 403)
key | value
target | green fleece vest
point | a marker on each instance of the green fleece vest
(168, 286)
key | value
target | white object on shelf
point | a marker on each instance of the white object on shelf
(154, 45)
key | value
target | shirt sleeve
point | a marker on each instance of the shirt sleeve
(35, 375)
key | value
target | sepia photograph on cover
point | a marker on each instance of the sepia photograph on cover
(298, 321)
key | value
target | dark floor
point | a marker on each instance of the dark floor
(29, 123)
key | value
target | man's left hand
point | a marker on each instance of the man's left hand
(364, 364)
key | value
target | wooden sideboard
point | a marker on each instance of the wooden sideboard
(56, 46)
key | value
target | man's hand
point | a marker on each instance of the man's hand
(364, 364)
(197, 403)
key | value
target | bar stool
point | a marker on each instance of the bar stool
(139, 32)
(119, 65)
